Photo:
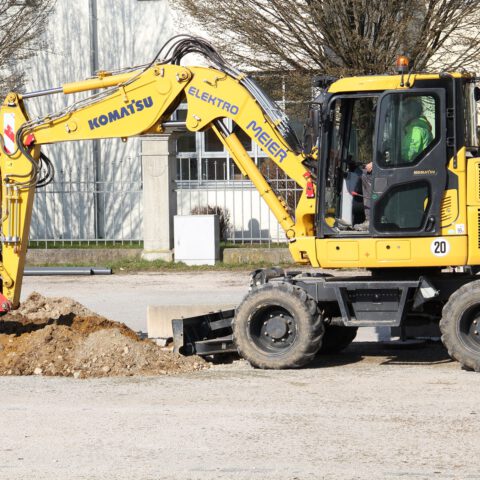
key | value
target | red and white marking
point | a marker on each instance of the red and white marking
(9, 132)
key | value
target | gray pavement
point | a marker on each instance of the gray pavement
(369, 413)
(124, 298)
(353, 416)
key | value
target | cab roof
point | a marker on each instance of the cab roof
(386, 82)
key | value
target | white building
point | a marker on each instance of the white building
(99, 195)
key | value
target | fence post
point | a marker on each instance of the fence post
(159, 197)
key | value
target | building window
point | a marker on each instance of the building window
(201, 156)
(214, 169)
(187, 169)
(212, 142)
(187, 143)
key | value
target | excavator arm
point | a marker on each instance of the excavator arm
(139, 102)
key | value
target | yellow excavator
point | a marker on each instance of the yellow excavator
(390, 175)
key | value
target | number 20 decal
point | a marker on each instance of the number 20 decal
(440, 247)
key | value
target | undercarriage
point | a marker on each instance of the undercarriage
(289, 317)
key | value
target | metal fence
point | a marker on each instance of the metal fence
(248, 218)
(78, 208)
(208, 177)
(71, 211)
(89, 207)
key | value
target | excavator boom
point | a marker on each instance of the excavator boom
(139, 102)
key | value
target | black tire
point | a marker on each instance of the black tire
(337, 338)
(278, 326)
(460, 325)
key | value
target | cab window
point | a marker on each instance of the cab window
(352, 127)
(404, 207)
(409, 129)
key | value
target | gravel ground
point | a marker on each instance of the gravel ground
(58, 336)
(369, 413)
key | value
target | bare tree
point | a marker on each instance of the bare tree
(22, 23)
(341, 37)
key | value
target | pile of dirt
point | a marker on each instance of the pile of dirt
(58, 336)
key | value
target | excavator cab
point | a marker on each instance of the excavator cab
(384, 163)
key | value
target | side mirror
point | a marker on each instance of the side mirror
(476, 94)
(311, 129)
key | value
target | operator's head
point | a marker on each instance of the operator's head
(411, 108)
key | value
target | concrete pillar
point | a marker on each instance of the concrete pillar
(159, 198)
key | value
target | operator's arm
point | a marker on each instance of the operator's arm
(411, 144)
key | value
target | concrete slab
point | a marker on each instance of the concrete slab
(275, 256)
(94, 256)
(159, 317)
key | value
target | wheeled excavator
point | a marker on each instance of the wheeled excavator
(417, 250)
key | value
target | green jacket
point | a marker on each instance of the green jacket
(418, 136)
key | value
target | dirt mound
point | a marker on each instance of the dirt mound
(58, 336)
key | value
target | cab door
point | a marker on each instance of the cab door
(410, 172)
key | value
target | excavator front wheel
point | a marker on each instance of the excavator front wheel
(460, 325)
(278, 326)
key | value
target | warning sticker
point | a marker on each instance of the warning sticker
(9, 132)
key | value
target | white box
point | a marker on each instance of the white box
(196, 239)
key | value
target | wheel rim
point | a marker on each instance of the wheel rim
(272, 329)
(469, 329)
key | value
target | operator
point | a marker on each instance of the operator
(416, 138)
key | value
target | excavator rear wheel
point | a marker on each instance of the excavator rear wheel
(460, 325)
(278, 326)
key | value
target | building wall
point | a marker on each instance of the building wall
(88, 201)
(130, 32)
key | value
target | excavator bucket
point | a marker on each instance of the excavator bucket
(204, 335)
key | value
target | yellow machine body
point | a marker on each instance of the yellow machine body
(140, 102)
